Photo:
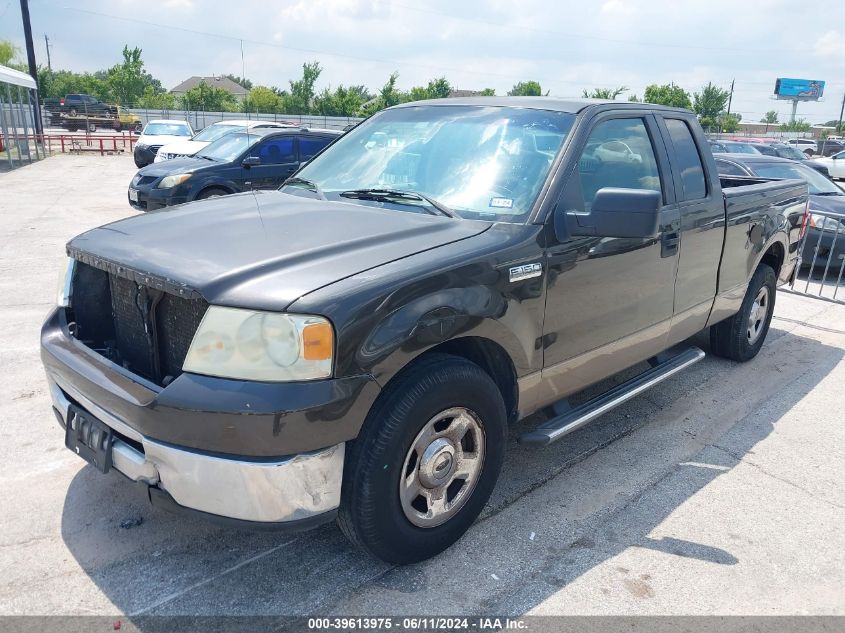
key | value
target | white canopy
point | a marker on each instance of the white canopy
(15, 77)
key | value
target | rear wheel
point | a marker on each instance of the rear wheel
(741, 337)
(426, 460)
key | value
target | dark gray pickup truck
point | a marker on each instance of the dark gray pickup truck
(356, 344)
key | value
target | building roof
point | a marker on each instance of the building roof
(217, 82)
(15, 77)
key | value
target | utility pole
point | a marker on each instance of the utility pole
(30, 58)
(731, 96)
(839, 129)
(47, 46)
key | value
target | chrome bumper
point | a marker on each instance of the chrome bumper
(289, 489)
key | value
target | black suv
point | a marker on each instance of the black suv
(239, 161)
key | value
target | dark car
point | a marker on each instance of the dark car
(733, 147)
(827, 201)
(782, 150)
(829, 147)
(237, 162)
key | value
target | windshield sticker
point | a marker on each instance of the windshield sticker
(501, 203)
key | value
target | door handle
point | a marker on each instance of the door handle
(669, 243)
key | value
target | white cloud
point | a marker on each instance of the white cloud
(617, 7)
(831, 44)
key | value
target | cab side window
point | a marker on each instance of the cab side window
(619, 153)
(310, 145)
(276, 151)
(689, 160)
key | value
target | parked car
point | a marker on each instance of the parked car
(806, 145)
(782, 150)
(261, 158)
(156, 134)
(835, 165)
(825, 198)
(79, 104)
(733, 147)
(186, 149)
(356, 344)
(829, 147)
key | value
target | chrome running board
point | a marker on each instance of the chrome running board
(574, 419)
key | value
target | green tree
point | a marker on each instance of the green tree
(439, 88)
(342, 101)
(709, 104)
(633, 99)
(487, 92)
(155, 100)
(263, 99)
(729, 122)
(301, 96)
(604, 93)
(770, 117)
(8, 52)
(667, 94)
(209, 99)
(126, 80)
(526, 89)
(241, 81)
(798, 125)
(388, 96)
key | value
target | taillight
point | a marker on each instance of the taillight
(62, 101)
(805, 220)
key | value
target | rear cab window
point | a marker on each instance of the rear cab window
(688, 159)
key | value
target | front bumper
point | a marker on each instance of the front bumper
(144, 155)
(264, 453)
(821, 248)
(151, 198)
(293, 489)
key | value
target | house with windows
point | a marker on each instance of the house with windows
(235, 89)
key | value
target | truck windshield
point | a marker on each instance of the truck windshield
(481, 162)
(818, 184)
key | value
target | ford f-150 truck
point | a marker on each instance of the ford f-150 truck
(355, 344)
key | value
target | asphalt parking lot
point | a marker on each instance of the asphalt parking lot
(720, 491)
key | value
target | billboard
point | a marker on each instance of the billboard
(799, 89)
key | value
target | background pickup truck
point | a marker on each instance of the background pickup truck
(355, 344)
(74, 105)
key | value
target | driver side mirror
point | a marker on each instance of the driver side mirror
(615, 212)
(251, 161)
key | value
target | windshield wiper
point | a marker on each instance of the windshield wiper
(396, 194)
(309, 184)
(203, 156)
(830, 193)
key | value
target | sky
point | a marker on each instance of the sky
(567, 46)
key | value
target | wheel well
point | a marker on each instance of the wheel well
(493, 359)
(774, 257)
(209, 188)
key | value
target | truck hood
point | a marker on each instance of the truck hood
(158, 139)
(264, 250)
(829, 204)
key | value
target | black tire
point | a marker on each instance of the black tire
(72, 112)
(371, 514)
(212, 192)
(732, 337)
(92, 127)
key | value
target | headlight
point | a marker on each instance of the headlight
(267, 346)
(65, 281)
(171, 181)
(823, 223)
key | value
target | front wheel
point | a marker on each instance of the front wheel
(425, 462)
(741, 336)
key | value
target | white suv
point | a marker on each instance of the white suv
(210, 133)
(806, 145)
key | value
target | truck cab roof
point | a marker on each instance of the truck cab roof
(557, 104)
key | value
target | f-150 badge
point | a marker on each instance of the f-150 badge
(526, 271)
